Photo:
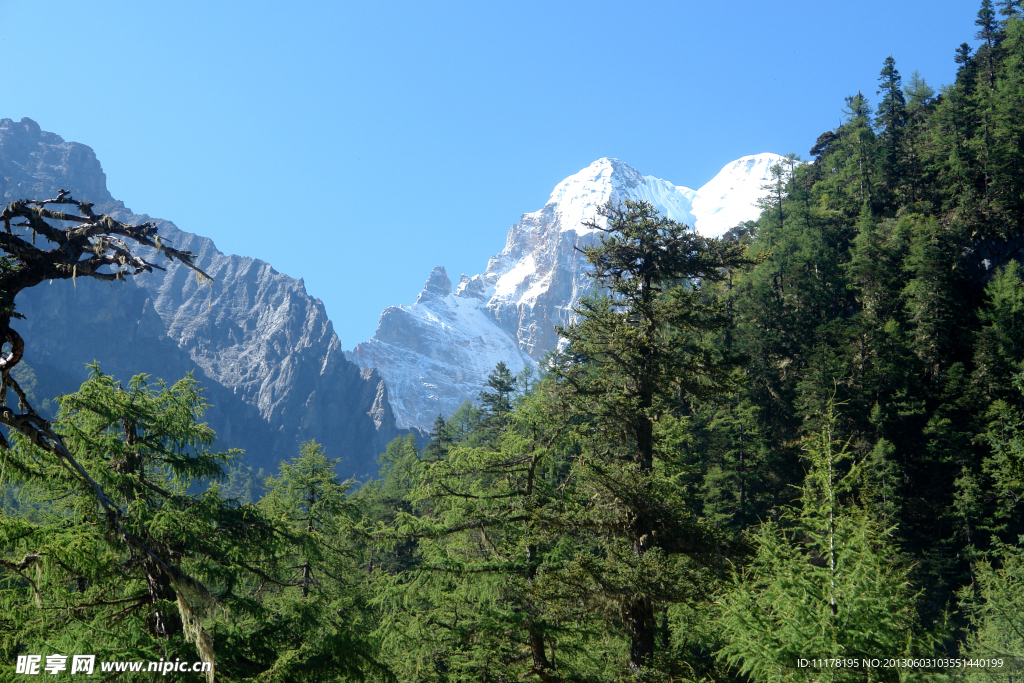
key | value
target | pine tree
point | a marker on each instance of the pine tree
(933, 306)
(388, 500)
(856, 156)
(318, 614)
(1007, 143)
(988, 29)
(476, 597)
(159, 587)
(1008, 9)
(774, 191)
(918, 93)
(496, 398)
(1004, 465)
(920, 101)
(440, 440)
(995, 600)
(999, 345)
(636, 354)
(995, 605)
(892, 120)
(735, 468)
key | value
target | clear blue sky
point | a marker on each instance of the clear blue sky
(358, 144)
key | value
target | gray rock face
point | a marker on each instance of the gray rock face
(438, 286)
(264, 349)
(436, 351)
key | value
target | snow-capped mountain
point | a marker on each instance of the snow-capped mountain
(436, 353)
(730, 197)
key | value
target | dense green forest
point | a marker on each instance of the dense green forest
(802, 440)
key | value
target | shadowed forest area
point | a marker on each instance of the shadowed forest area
(803, 440)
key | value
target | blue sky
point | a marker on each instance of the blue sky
(357, 145)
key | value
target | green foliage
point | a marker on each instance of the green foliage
(825, 582)
(995, 601)
(318, 620)
(638, 354)
(80, 586)
(996, 607)
(891, 121)
(496, 399)
(918, 93)
(193, 576)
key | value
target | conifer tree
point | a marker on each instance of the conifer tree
(986, 21)
(826, 582)
(317, 608)
(474, 605)
(1004, 465)
(920, 99)
(165, 594)
(995, 600)
(1008, 9)
(933, 308)
(775, 190)
(988, 28)
(105, 549)
(995, 605)
(440, 440)
(639, 351)
(387, 500)
(891, 120)
(1007, 157)
(735, 467)
(856, 156)
(918, 93)
(496, 398)
(999, 345)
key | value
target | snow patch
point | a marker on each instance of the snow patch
(508, 283)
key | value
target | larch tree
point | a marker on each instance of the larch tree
(93, 245)
(825, 582)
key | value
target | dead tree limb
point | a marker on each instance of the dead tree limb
(35, 249)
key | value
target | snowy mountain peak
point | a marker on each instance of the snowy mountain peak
(605, 173)
(437, 353)
(437, 285)
(730, 197)
(576, 198)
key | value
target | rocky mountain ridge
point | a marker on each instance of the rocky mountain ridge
(264, 349)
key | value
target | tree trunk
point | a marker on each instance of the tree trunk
(540, 656)
(640, 618)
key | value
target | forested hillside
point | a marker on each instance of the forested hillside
(802, 441)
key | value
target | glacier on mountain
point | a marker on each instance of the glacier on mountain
(437, 353)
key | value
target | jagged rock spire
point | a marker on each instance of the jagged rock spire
(437, 285)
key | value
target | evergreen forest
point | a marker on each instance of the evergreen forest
(801, 441)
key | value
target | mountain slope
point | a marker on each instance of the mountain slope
(260, 344)
(437, 353)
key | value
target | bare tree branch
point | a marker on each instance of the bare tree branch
(82, 250)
